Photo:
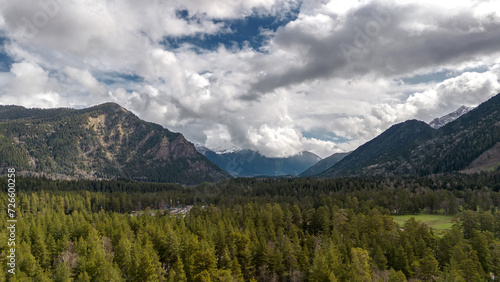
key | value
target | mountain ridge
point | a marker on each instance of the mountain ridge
(323, 164)
(404, 150)
(100, 142)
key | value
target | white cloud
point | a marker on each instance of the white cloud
(302, 82)
(218, 137)
(321, 148)
(275, 142)
(469, 89)
(98, 91)
(228, 9)
(31, 86)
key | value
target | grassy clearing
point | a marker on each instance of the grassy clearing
(439, 223)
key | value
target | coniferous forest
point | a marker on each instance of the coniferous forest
(255, 230)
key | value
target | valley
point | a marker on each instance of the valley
(250, 141)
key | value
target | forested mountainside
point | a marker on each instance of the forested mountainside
(323, 165)
(414, 148)
(105, 141)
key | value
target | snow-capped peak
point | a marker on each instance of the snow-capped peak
(218, 149)
(200, 148)
(226, 150)
(444, 120)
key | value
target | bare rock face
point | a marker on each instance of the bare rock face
(181, 148)
(101, 142)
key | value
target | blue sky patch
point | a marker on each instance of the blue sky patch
(428, 77)
(125, 80)
(247, 31)
(5, 61)
(325, 135)
(441, 75)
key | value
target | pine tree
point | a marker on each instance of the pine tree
(93, 259)
(379, 258)
(469, 222)
(148, 267)
(123, 256)
(479, 243)
(224, 275)
(464, 259)
(360, 265)
(83, 277)
(27, 262)
(62, 273)
(398, 276)
(203, 276)
(427, 268)
(452, 274)
(401, 260)
(325, 265)
(177, 273)
(38, 246)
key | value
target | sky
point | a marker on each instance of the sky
(276, 76)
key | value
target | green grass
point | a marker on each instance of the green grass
(439, 223)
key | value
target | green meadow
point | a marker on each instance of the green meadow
(439, 223)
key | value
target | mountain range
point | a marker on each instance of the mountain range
(468, 143)
(101, 142)
(109, 142)
(248, 163)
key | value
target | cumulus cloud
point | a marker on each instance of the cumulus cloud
(341, 67)
(275, 142)
(98, 91)
(385, 38)
(31, 86)
(468, 89)
(237, 9)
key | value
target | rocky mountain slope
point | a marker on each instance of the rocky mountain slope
(105, 141)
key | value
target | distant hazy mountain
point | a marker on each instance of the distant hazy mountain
(248, 163)
(104, 141)
(444, 120)
(413, 147)
(324, 164)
